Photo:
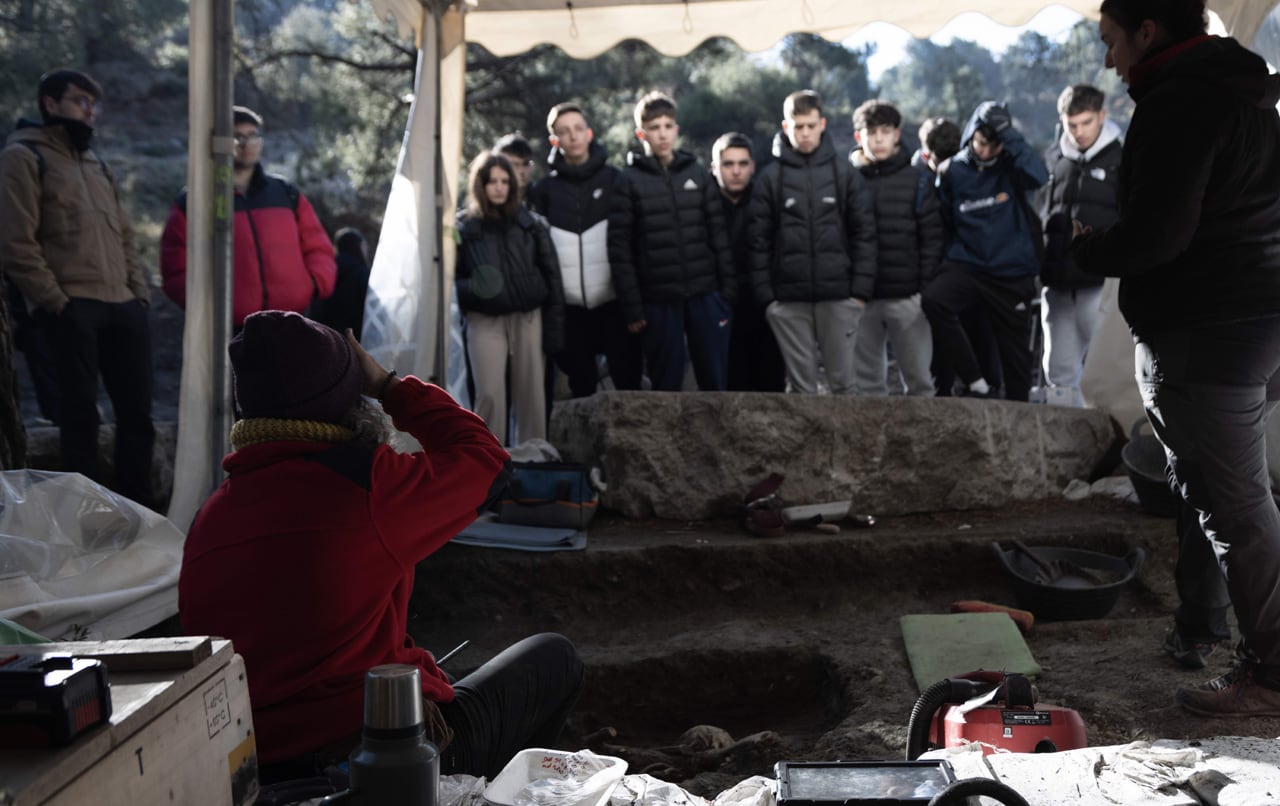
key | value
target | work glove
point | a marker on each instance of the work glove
(996, 116)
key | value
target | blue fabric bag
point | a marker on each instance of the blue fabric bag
(549, 494)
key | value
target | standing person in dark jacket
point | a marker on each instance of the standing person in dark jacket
(813, 248)
(575, 197)
(909, 246)
(508, 282)
(282, 256)
(1084, 178)
(345, 307)
(1197, 251)
(755, 363)
(670, 258)
(67, 243)
(991, 260)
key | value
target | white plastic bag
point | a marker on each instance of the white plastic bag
(78, 561)
(541, 777)
(461, 790)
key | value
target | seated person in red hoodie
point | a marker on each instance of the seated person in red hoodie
(304, 557)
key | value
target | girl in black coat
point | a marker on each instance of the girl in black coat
(510, 294)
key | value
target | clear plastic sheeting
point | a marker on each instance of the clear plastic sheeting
(79, 562)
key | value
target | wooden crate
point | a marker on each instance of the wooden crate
(180, 732)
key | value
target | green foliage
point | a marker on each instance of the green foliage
(951, 80)
(333, 83)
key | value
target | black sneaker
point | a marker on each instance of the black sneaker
(1236, 693)
(1188, 654)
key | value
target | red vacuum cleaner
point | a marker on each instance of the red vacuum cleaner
(998, 710)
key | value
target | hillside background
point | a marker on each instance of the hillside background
(334, 84)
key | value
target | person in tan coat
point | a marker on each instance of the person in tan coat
(66, 242)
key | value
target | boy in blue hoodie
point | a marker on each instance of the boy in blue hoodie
(992, 260)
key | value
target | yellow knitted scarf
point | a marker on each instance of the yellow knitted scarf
(253, 430)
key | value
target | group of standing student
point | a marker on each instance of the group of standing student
(803, 275)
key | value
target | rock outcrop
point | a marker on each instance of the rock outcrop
(691, 456)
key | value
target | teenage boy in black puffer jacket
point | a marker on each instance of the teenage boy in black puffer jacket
(813, 248)
(670, 256)
(909, 238)
(1084, 183)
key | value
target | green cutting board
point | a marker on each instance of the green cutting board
(945, 645)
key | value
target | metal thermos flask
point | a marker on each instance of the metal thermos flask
(395, 764)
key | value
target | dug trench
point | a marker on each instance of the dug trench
(790, 647)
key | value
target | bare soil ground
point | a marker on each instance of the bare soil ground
(792, 644)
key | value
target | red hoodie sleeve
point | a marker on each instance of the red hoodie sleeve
(173, 256)
(317, 251)
(421, 500)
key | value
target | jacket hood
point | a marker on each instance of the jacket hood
(895, 162)
(597, 155)
(1110, 134)
(30, 131)
(784, 152)
(680, 159)
(1219, 59)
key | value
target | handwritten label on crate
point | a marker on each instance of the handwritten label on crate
(217, 707)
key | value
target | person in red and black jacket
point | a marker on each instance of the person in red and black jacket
(283, 257)
(305, 555)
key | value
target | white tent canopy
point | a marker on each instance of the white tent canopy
(407, 321)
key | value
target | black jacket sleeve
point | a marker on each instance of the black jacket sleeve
(718, 237)
(622, 217)
(761, 231)
(548, 265)
(860, 230)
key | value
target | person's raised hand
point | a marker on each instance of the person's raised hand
(997, 117)
(375, 375)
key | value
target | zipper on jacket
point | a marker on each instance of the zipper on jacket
(813, 248)
(582, 252)
(675, 205)
(257, 247)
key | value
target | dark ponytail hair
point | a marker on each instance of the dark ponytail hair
(1181, 19)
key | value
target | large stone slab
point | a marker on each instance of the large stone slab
(690, 456)
(44, 453)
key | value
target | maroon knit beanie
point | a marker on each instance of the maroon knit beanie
(286, 366)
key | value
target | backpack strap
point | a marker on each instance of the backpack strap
(40, 166)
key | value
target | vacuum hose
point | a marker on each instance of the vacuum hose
(950, 690)
(960, 791)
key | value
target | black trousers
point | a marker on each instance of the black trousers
(1208, 392)
(113, 339)
(519, 699)
(1005, 301)
(755, 362)
(589, 332)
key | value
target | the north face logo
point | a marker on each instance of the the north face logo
(689, 184)
(597, 193)
(790, 202)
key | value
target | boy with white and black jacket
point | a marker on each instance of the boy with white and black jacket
(909, 245)
(992, 260)
(813, 248)
(1084, 184)
(670, 256)
(575, 198)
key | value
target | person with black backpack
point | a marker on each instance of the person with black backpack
(67, 243)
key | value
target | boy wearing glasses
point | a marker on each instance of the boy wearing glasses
(283, 258)
(67, 244)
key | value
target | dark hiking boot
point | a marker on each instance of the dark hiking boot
(1236, 693)
(1188, 654)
